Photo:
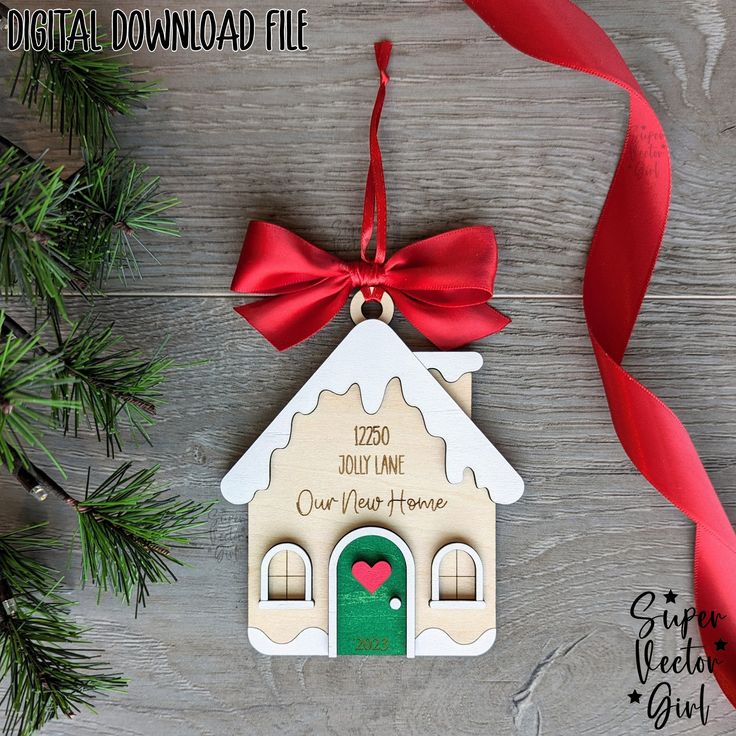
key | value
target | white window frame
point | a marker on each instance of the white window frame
(436, 601)
(297, 603)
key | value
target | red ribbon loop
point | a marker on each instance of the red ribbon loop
(375, 187)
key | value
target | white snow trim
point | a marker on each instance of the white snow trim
(311, 642)
(370, 356)
(437, 643)
(452, 366)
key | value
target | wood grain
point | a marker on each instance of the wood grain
(473, 132)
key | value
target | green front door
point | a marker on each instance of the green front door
(371, 598)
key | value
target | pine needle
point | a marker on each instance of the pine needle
(78, 92)
(33, 224)
(49, 670)
(30, 381)
(128, 529)
(116, 202)
(106, 382)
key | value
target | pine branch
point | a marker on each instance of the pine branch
(98, 380)
(29, 380)
(58, 233)
(55, 234)
(21, 572)
(78, 92)
(127, 532)
(33, 224)
(107, 382)
(128, 528)
(47, 669)
(113, 206)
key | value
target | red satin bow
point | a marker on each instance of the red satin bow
(442, 284)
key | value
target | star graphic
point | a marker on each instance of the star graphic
(634, 697)
(670, 597)
(721, 645)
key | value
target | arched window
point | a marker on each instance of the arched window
(457, 578)
(286, 578)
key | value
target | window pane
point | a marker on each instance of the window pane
(466, 588)
(465, 564)
(457, 576)
(295, 588)
(277, 566)
(286, 577)
(277, 587)
(294, 564)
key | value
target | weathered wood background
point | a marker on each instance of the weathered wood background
(473, 132)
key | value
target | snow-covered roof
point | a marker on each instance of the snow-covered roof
(451, 365)
(370, 356)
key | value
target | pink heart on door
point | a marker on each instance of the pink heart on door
(371, 578)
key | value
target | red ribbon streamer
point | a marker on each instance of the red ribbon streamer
(441, 285)
(620, 263)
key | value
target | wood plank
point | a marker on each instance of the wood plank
(474, 132)
(540, 145)
(586, 538)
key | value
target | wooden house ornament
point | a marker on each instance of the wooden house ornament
(371, 508)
